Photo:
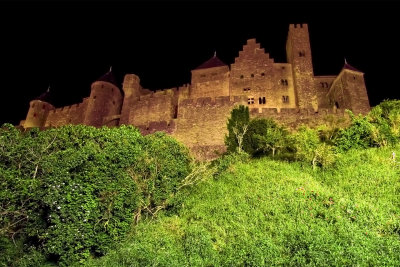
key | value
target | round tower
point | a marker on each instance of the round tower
(131, 87)
(38, 110)
(105, 102)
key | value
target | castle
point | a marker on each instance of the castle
(196, 113)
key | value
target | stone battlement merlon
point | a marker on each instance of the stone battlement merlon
(196, 112)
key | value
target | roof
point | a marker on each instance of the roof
(108, 77)
(349, 67)
(45, 97)
(211, 63)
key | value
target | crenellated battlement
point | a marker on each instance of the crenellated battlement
(298, 26)
(157, 126)
(196, 113)
(213, 101)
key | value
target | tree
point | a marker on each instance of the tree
(237, 126)
(309, 148)
(360, 134)
(264, 136)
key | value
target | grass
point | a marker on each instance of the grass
(267, 213)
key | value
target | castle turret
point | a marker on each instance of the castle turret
(298, 52)
(348, 91)
(131, 88)
(210, 79)
(105, 102)
(38, 110)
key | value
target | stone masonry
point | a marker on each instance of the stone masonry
(196, 113)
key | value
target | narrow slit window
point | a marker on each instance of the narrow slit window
(285, 99)
(263, 100)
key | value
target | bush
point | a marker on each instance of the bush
(237, 128)
(69, 192)
(159, 171)
(386, 118)
(309, 148)
(358, 135)
(264, 136)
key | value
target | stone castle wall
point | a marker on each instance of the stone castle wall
(197, 113)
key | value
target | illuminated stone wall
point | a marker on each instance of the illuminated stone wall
(265, 84)
(298, 52)
(73, 114)
(210, 82)
(197, 113)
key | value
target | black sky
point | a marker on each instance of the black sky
(69, 44)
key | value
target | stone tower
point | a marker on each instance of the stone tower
(131, 88)
(348, 91)
(105, 102)
(298, 52)
(210, 79)
(38, 111)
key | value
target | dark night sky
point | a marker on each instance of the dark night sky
(69, 44)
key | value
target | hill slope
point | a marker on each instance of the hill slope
(262, 212)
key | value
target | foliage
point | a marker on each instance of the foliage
(358, 135)
(386, 118)
(264, 136)
(265, 212)
(309, 148)
(159, 172)
(237, 127)
(69, 192)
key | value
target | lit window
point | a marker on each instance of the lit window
(285, 99)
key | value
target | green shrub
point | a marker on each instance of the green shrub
(74, 191)
(159, 171)
(264, 136)
(237, 127)
(358, 135)
(386, 119)
(310, 149)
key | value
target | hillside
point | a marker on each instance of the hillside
(261, 212)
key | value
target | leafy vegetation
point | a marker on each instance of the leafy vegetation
(78, 195)
(73, 192)
(263, 212)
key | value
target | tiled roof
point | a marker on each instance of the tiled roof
(211, 63)
(347, 66)
(45, 97)
(108, 77)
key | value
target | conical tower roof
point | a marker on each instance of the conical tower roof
(211, 63)
(108, 77)
(347, 66)
(45, 97)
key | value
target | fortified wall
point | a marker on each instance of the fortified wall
(196, 113)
